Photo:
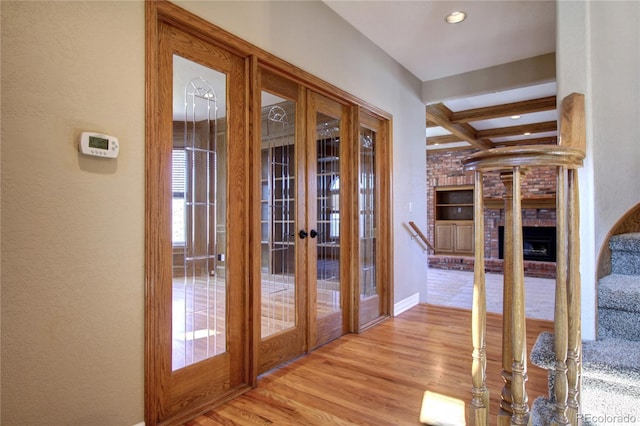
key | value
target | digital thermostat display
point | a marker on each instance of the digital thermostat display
(99, 145)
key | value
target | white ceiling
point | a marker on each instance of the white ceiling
(497, 32)
(416, 35)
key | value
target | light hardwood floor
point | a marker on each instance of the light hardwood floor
(378, 377)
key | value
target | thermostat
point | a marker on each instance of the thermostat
(99, 145)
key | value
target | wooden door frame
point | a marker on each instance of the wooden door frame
(161, 11)
(173, 396)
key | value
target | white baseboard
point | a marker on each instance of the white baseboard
(406, 304)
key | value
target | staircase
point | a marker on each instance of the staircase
(610, 365)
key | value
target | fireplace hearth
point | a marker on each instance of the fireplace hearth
(539, 243)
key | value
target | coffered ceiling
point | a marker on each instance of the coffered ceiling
(520, 116)
(495, 32)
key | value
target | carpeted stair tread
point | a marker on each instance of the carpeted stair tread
(541, 412)
(626, 242)
(614, 359)
(606, 403)
(622, 292)
(617, 360)
(603, 403)
(542, 354)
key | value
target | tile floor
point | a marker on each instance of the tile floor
(455, 289)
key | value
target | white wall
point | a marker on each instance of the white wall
(598, 54)
(73, 227)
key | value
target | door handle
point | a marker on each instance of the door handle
(302, 234)
(314, 233)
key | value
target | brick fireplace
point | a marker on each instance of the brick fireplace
(538, 190)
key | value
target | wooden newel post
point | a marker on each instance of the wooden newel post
(480, 393)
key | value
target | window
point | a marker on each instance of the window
(178, 184)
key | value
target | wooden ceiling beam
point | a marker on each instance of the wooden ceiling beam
(439, 140)
(515, 108)
(441, 115)
(549, 140)
(444, 148)
(547, 126)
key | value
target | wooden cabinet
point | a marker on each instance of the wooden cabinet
(454, 220)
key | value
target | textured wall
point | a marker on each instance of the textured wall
(72, 226)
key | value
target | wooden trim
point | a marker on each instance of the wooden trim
(547, 126)
(255, 173)
(549, 140)
(353, 320)
(152, 262)
(505, 110)
(629, 222)
(527, 203)
(439, 140)
(572, 124)
(441, 115)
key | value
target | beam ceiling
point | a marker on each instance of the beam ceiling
(460, 128)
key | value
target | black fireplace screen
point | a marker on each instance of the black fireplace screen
(539, 243)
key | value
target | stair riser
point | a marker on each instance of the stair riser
(625, 263)
(618, 324)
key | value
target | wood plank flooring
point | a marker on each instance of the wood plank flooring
(378, 377)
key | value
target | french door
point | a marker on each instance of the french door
(197, 303)
(268, 220)
(302, 279)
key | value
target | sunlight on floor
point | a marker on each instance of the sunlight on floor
(442, 410)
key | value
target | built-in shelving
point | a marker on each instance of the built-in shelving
(454, 220)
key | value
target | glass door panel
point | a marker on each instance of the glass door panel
(198, 214)
(328, 215)
(369, 298)
(277, 217)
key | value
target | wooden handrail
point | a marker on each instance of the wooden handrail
(422, 236)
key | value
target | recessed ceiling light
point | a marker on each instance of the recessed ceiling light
(515, 117)
(527, 133)
(455, 17)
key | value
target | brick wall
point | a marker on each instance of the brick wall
(445, 169)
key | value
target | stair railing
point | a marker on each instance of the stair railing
(419, 234)
(513, 162)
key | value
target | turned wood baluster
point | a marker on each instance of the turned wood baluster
(504, 415)
(519, 366)
(574, 354)
(480, 394)
(560, 315)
